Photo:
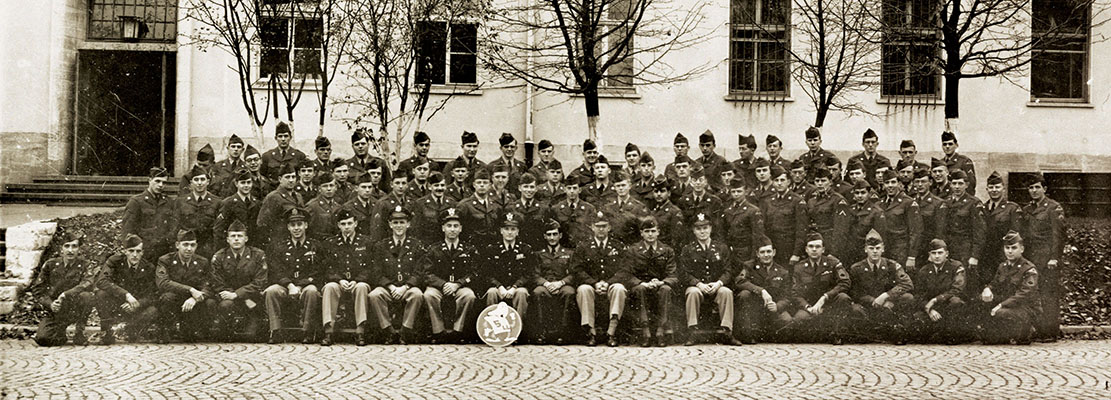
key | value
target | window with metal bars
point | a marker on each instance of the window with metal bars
(1059, 58)
(291, 43)
(447, 53)
(759, 33)
(910, 49)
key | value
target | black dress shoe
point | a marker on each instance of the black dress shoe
(108, 338)
(79, 339)
(646, 341)
(728, 339)
(612, 342)
(749, 341)
(403, 338)
(327, 341)
(689, 342)
(360, 339)
(310, 338)
(591, 340)
(273, 339)
(663, 340)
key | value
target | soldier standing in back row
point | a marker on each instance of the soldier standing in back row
(149, 215)
(869, 158)
(1001, 216)
(955, 162)
(283, 154)
(815, 158)
(712, 163)
(1045, 231)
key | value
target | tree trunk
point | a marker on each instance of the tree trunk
(821, 117)
(256, 131)
(952, 96)
(591, 95)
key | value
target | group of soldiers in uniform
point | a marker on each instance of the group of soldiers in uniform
(757, 249)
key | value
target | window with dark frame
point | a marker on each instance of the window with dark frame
(759, 34)
(620, 75)
(1059, 58)
(910, 48)
(291, 43)
(447, 53)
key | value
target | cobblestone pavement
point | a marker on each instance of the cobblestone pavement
(1068, 370)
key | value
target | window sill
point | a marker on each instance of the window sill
(1053, 103)
(311, 85)
(910, 101)
(464, 89)
(759, 98)
(614, 94)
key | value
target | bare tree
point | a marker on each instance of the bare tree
(965, 39)
(581, 46)
(231, 26)
(335, 39)
(382, 64)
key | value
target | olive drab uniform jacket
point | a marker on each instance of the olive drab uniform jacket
(322, 217)
(363, 212)
(379, 222)
(480, 220)
(400, 262)
(273, 207)
(447, 263)
(743, 223)
(426, 224)
(705, 264)
(594, 261)
(785, 221)
(999, 218)
(829, 214)
(652, 262)
(273, 159)
(670, 220)
(554, 264)
(511, 266)
(300, 263)
(706, 203)
(886, 276)
(625, 214)
(1016, 285)
(871, 164)
(56, 278)
(963, 163)
(349, 258)
(939, 282)
(237, 208)
(816, 277)
(175, 275)
(575, 220)
(933, 211)
(244, 274)
(535, 213)
(755, 277)
(118, 278)
(963, 229)
(1044, 231)
(151, 217)
(902, 226)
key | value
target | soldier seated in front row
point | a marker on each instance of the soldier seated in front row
(881, 290)
(185, 283)
(940, 312)
(820, 287)
(65, 290)
(348, 271)
(451, 273)
(507, 268)
(763, 287)
(652, 269)
(601, 274)
(296, 272)
(706, 265)
(239, 273)
(125, 287)
(1011, 296)
(401, 263)
(554, 291)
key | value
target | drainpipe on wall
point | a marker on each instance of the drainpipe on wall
(530, 146)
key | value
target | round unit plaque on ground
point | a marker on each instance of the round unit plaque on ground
(499, 325)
